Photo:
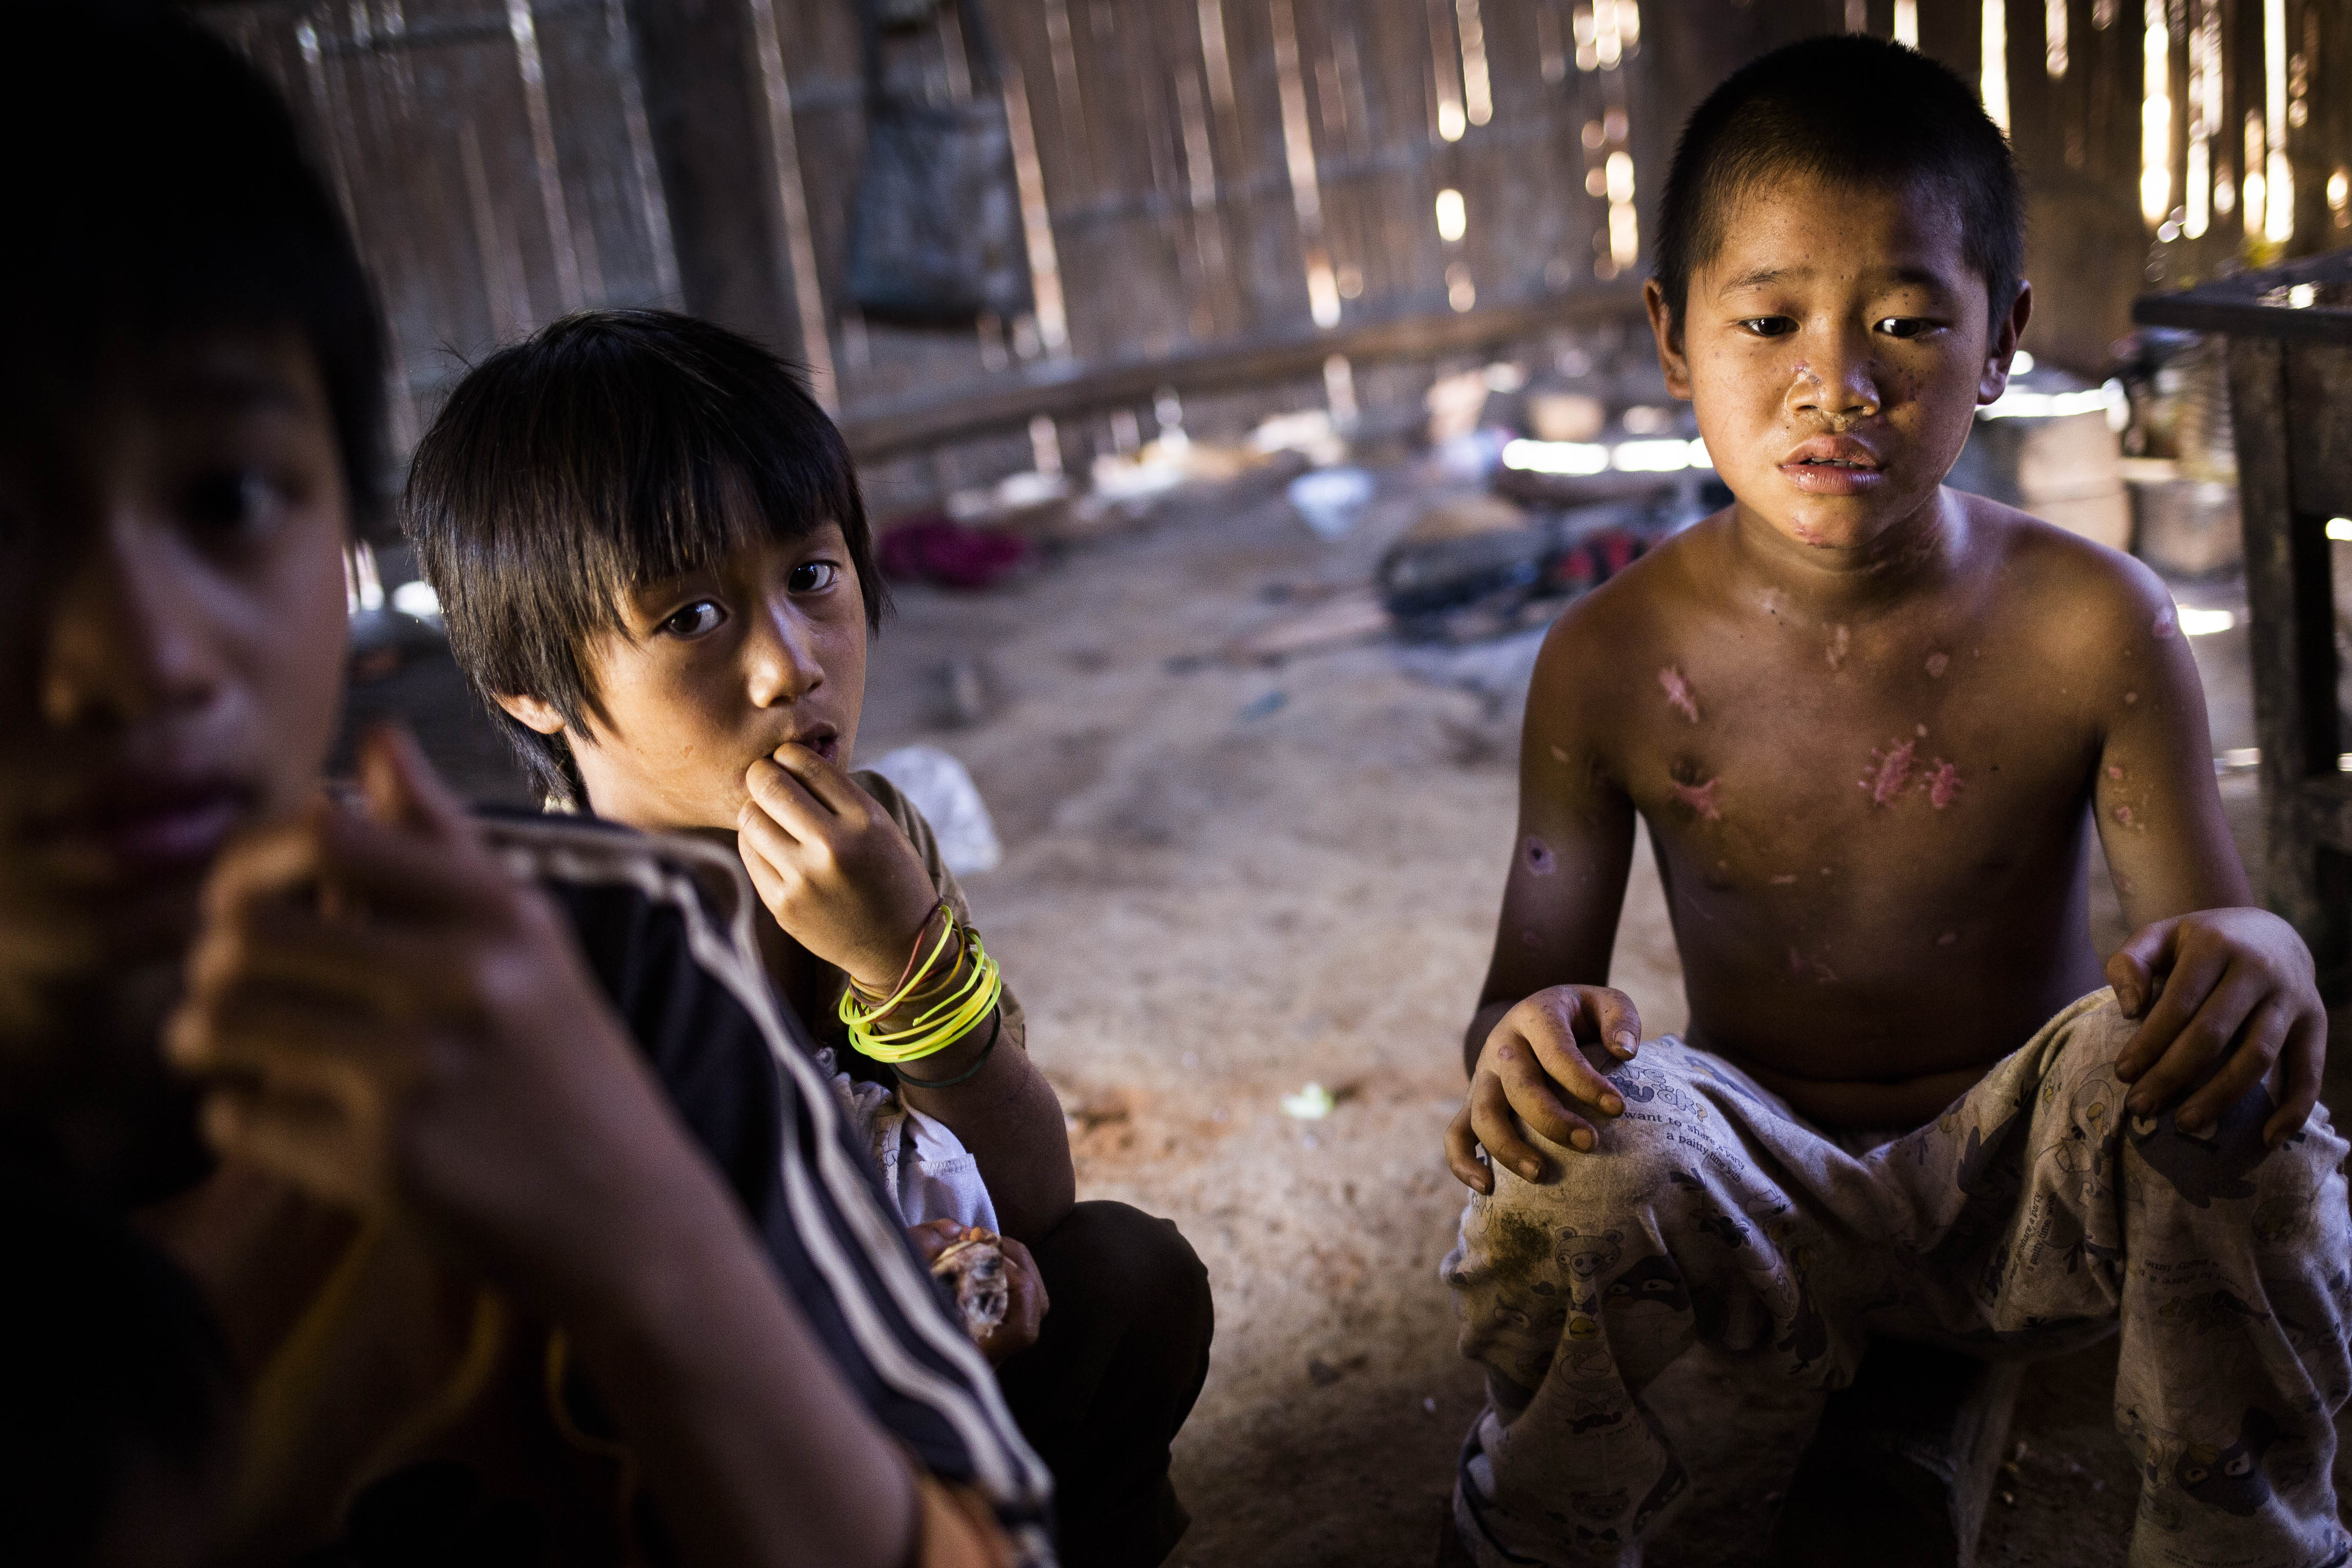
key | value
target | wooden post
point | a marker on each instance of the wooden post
(709, 136)
(2291, 642)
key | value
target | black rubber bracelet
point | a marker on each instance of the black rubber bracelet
(995, 1027)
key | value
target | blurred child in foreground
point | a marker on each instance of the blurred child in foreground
(385, 1186)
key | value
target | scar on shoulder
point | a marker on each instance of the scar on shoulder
(1538, 856)
(1948, 939)
(1678, 693)
(1891, 770)
(1699, 797)
(2124, 814)
(1839, 640)
(1937, 664)
(2130, 698)
(1558, 755)
(2164, 623)
(1787, 880)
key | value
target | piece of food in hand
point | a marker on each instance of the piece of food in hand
(973, 1265)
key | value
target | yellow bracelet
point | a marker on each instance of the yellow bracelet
(941, 1025)
(936, 1028)
(916, 974)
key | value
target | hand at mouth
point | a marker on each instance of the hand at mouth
(822, 739)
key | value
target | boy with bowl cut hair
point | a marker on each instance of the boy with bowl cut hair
(655, 565)
(1870, 724)
(499, 1216)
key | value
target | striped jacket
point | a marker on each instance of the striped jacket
(666, 923)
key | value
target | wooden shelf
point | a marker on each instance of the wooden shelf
(883, 427)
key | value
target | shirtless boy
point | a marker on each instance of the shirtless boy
(448, 1277)
(650, 546)
(1870, 724)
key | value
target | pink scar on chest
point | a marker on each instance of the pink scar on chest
(1937, 664)
(1839, 640)
(1891, 774)
(1699, 797)
(1800, 967)
(1944, 785)
(1678, 693)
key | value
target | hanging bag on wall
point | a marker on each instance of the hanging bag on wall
(935, 233)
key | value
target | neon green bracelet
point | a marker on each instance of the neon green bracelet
(938, 1027)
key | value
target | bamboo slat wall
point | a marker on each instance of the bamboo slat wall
(1204, 177)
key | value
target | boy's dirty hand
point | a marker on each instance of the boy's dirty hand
(2223, 997)
(1537, 1069)
(832, 867)
(1024, 1316)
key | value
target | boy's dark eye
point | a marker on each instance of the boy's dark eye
(701, 616)
(1768, 326)
(812, 577)
(1906, 326)
(230, 503)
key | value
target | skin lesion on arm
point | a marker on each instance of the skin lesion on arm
(2153, 800)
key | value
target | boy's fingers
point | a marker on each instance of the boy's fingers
(827, 785)
(2186, 990)
(391, 971)
(1618, 1020)
(765, 882)
(1535, 1097)
(2198, 1044)
(400, 787)
(1491, 1121)
(2305, 1053)
(931, 1237)
(388, 871)
(1026, 1276)
(783, 799)
(1462, 1153)
(291, 1040)
(303, 1138)
(2132, 971)
(2258, 1046)
(1558, 1053)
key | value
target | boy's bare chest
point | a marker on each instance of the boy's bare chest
(1909, 750)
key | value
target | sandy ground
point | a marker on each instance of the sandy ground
(1224, 880)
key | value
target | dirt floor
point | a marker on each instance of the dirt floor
(1223, 880)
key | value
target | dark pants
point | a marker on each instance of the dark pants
(1119, 1359)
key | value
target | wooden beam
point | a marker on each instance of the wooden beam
(882, 428)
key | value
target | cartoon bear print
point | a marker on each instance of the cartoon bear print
(1585, 1256)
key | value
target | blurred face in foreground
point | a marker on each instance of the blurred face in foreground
(716, 669)
(1835, 348)
(172, 640)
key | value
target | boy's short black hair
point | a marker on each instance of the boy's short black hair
(596, 455)
(155, 186)
(1853, 109)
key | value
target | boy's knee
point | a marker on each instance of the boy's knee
(1114, 1262)
(1552, 1235)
